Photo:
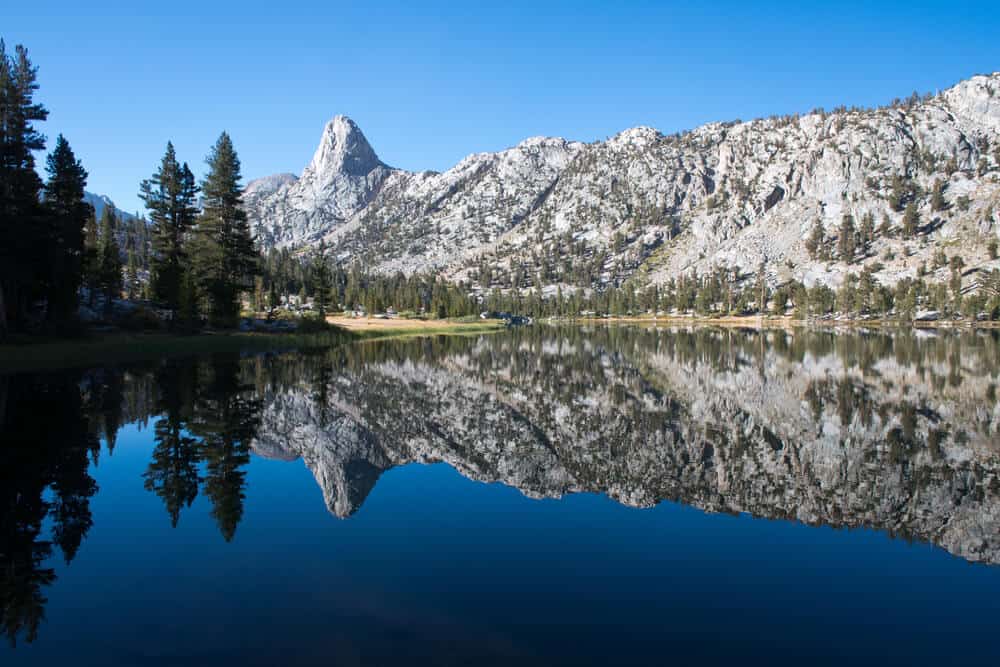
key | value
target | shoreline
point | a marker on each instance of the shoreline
(359, 324)
(782, 322)
(125, 347)
(364, 329)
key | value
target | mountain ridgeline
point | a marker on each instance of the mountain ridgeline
(812, 197)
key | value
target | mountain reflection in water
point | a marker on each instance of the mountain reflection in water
(899, 432)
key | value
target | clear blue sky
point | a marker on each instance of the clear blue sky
(429, 83)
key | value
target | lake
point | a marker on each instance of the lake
(579, 495)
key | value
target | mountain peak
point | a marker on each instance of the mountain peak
(343, 149)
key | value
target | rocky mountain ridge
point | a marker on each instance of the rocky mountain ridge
(650, 206)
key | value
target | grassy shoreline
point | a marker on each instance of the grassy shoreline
(450, 329)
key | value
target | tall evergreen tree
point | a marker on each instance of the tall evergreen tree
(110, 266)
(761, 294)
(847, 243)
(91, 256)
(223, 254)
(22, 218)
(68, 216)
(322, 280)
(169, 196)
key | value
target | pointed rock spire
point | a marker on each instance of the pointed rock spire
(343, 149)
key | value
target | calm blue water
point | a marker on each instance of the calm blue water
(437, 566)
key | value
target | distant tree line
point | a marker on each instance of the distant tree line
(332, 287)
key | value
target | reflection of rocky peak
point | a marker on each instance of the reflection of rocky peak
(347, 457)
(768, 435)
(344, 457)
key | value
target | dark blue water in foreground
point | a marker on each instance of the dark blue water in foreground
(393, 541)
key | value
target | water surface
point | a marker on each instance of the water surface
(542, 496)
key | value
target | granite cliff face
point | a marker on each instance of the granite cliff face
(342, 179)
(816, 428)
(551, 211)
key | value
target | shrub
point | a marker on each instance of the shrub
(313, 324)
(140, 319)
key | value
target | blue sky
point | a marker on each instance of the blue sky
(432, 82)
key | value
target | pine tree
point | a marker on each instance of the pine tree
(223, 253)
(272, 297)
(760, 290)
(110, 270)
(322, 284)
(900, 193)
(22, 218)
(68, 215)
(937, 196)
(816, 243)
(867, 232)
(258, 293)
(863, 297)
(132, 287)
(885, 227)
(955, 283)
(911, 220)
(91, 256)
(170, 197)
(847, 294)
(187, 303)
(847, 242)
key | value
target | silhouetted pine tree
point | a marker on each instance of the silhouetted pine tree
(68, 216)
(22, 218)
